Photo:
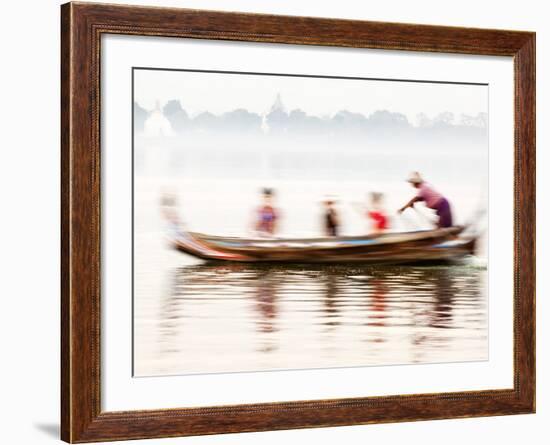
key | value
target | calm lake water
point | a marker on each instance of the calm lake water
(226, 318)
(191, 317)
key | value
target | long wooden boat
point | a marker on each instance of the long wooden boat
(392, 247)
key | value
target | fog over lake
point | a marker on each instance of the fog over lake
(192, 317)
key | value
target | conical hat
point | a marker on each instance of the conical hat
(415, 178)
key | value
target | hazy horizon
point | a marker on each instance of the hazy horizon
(218, 93)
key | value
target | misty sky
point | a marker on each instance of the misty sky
(221, 92)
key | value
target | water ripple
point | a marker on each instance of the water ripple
(218, 318)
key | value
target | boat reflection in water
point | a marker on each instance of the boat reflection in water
(249, 317)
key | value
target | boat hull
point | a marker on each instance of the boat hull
(392, 248)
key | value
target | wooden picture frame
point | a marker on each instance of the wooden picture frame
(82, 25)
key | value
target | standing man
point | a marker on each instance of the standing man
(433, 200)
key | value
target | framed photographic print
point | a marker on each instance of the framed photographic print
(274, 222)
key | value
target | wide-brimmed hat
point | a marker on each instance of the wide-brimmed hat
(415, 178)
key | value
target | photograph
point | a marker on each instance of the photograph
(290, 219)
(286, 221)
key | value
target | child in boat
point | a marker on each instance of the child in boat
(169, 209)
(331, 221)
(266, 222)
(376, 214)
(432, 199)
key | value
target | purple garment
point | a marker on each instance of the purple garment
(429, 195)
(443, 210)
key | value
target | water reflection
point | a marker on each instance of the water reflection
(221, 318)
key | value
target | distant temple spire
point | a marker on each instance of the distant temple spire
(157, 124)
(278, 104)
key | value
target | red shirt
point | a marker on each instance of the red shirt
(380, 220)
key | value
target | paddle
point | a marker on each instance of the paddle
(411, 224)
(424, 216)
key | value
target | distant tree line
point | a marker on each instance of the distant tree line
(381, 123)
